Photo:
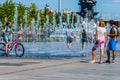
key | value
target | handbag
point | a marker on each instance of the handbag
(97, 42)
(2, 35)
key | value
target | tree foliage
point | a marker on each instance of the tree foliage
(21, 13)
(42, 19)
(64, 17)
(7, 10)
(57, 17)
(73, 18)
(32, 13)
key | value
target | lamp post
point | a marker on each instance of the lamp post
(59, 5)
(59, 10)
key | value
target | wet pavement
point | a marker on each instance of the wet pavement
(53, 61)
(58, 50)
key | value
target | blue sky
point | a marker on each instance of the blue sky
(106, 7)
(109, 7)
(66, 4)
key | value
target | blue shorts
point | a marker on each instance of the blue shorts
(111, 44)
(84, 39)
(69, 40)
(6, 39)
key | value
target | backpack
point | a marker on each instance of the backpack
(112, 30)
(2, 35)
(117, 30)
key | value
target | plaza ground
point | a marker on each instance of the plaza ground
(53, 69)
(54, 61)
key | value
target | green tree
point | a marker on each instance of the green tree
(64, 17)
(7, 10)
(2, 14)
(42, 20)
(46, 10)
(50, 17)
(73, 18)
(21, 13)
(32, 13)
(57, 17)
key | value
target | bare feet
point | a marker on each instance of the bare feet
(92, 61)
(100, 62)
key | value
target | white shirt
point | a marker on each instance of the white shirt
(101, 33)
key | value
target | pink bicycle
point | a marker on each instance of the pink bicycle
(18, 48)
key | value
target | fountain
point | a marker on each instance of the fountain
(57, 46)
(33, 28)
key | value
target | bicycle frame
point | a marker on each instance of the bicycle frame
(18, 48)
(11, 45)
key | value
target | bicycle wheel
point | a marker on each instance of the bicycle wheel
(19, 50)
(2, 48)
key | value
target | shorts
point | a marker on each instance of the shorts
(69, 40)
(84, 39)
(111, 44)
(6, 39)
(99, 43)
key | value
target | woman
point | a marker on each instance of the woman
(99, 41)
(7, 35)
(84, 39)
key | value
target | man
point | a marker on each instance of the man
(112, 42)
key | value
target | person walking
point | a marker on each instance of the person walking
(70, 37)
(112, 42)
(84, 40)
(99, 41)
